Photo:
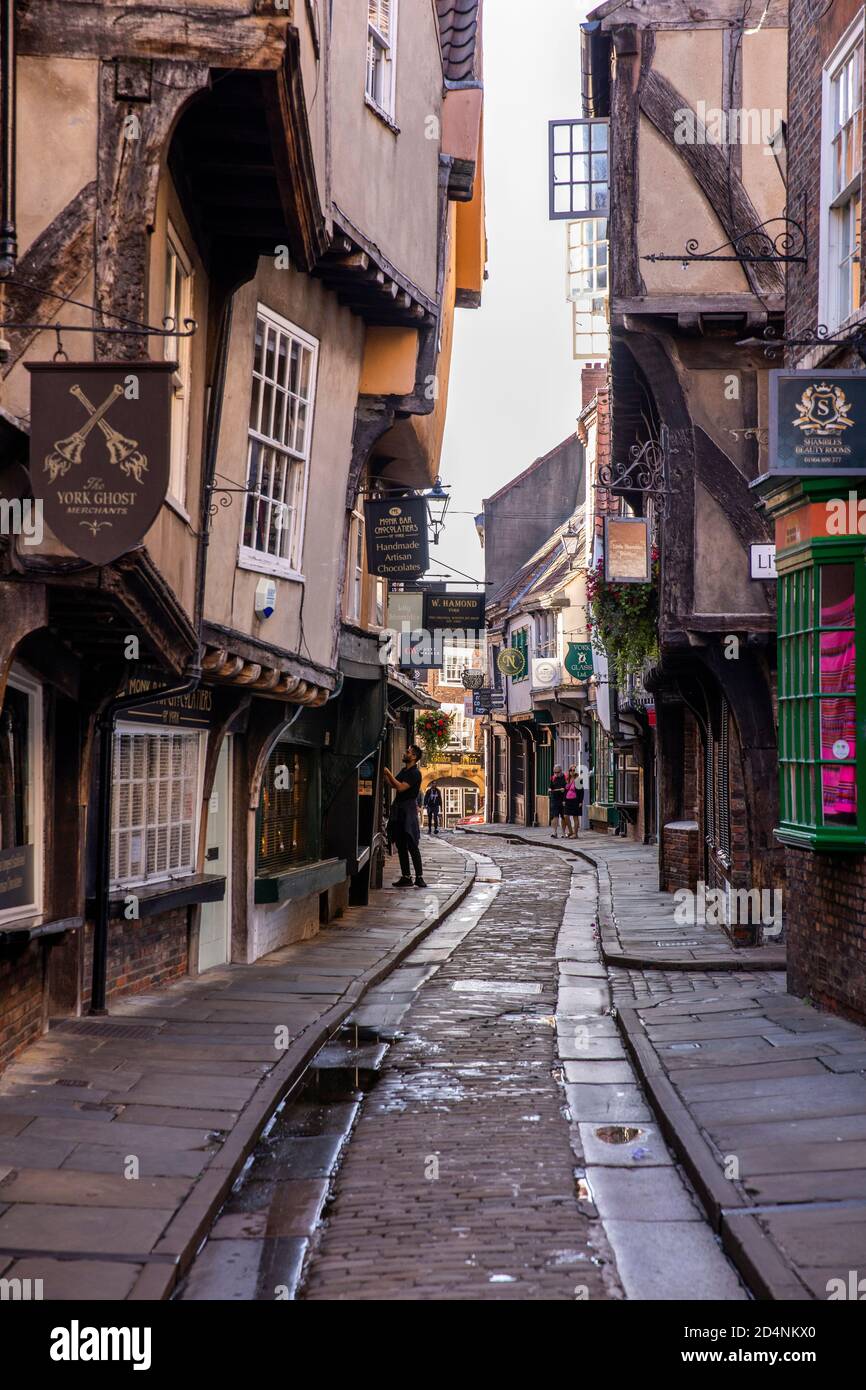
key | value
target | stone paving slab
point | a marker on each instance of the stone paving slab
(186, 1103)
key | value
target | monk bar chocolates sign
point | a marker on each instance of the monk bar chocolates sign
(454, 611)
(99, 451)
(818, 422)
(396, 537)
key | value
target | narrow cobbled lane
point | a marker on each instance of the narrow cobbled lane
(458, 1181)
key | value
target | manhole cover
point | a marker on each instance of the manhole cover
(618, 1134)
(496, 987)
(108, 1030)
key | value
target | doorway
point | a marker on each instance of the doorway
(215, 922)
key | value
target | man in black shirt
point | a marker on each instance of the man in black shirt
(403, 828)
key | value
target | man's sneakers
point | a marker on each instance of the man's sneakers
(419, 883)
(402, 883)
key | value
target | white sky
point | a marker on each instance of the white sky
(515, 389)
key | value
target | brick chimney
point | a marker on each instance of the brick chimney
(592, 377)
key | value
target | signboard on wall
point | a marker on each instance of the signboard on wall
(99, 451)
(626, 550)
(191, 710)
(817, 422)
(453, 611)
(762, 559)
(396, 531)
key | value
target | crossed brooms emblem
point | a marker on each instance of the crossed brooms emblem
(123, 453)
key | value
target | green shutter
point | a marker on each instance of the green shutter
(543, 768)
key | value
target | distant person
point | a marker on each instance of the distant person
(556, 792)
(433, 807)
(573, 803)
(404, 831)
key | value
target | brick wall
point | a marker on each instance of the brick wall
(825, 925)
(681, 855)
(21, 999)
(142, 955)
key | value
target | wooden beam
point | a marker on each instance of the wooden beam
(663, 105)
(75, 29)
(286, 109)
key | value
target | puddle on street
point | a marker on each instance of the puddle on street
(618, 1134)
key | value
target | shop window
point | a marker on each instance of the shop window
(821, 766)
(287, 833)
(627, 780)
(278, 446)
(20, 798)
(543, 768)
(155, 801)
(453, 666)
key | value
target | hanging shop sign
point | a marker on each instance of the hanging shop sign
(511, 661)
(396, 531)
(578, 660)
(454, 611)
(472, 680)
(191, 710)
(817, 422)
(99, 451)
(485, 700)
(17, 881)
(626, 550)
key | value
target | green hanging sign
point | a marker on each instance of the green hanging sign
(578, 660)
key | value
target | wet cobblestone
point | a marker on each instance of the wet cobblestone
(458, 1181)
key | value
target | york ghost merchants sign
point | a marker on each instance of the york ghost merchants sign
(396, 537)
(818, 422)
(99, 451)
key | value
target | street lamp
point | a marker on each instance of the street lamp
(438, 502)
(570, 540)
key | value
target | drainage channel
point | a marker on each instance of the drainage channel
(266, 1231)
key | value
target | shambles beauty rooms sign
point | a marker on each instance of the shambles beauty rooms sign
(99, 451)
(818, 422)
(396, 537)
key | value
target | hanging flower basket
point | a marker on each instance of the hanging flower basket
(623, 620)
(433, 729)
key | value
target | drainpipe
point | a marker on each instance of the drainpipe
(105, 745)
(8, 236)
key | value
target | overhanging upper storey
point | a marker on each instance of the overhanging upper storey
(699, 223)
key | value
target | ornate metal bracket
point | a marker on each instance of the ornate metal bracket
(758, 246)
(645, 471)
(756, 432)
(822, 337)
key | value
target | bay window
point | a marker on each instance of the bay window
(821, 700)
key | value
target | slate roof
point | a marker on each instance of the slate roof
(459, 28)
(545, 572)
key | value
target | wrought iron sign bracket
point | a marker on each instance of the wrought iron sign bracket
(759, 245)
(855, 339)
(645, 470)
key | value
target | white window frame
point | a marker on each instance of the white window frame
(828, 306)
(462, 733)
(179, 350)
(453, 656)
(355, 568)
(385, 45)
(156, 731)
(288, 566)
(35, 791)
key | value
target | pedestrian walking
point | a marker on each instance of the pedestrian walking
(556, 792)
(404, 830)
(573, 803)
(433, 807)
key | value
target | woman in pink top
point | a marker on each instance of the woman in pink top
(573, 803)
